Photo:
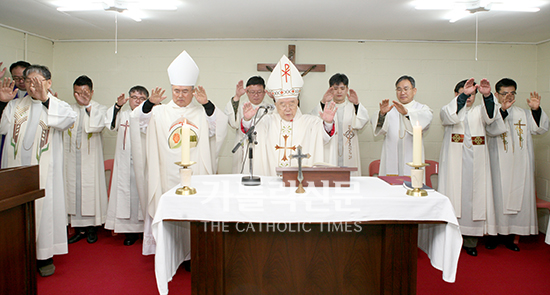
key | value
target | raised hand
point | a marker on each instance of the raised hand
(329, 112)
(534, 101)
(157, 95)
(508, 101)
(54, 94)
(469, 87)
(7, 91)
(328, 96)
(249, 111)
(121, 100)
(400, 108)
(484, 87)
(352, 97)
(385, 107)
(239, 91)
(200, 95)
(38, 89)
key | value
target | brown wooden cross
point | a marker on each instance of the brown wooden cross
(303, 68)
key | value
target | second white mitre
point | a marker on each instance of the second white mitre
(285, 80)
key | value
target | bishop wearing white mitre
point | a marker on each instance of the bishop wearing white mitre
(281, 132)
(163, 125)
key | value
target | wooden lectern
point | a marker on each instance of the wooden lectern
(19, 188)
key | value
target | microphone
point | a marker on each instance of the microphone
(268, 107)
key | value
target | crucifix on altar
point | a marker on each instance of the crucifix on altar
(303, 68)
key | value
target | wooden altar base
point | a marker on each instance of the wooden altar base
(328, 258)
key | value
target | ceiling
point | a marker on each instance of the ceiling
(278, 19)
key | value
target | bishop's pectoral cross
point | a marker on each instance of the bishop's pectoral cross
(125, 125)
(284, 148)
(300, 157)
(303, 68)
(520, 132)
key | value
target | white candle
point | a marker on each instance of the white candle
(417, 176)
(185, 142)
(417, 144)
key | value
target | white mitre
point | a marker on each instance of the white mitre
(285, 81)
(183, 71)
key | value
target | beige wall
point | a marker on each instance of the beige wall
(19, 46)
(372, 68)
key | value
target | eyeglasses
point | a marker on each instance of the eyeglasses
(178, 91)
(406, 89)
(138, 98)
(289, 105)
(513, 93)
(259, 92)
(28, 80)
(17, 78)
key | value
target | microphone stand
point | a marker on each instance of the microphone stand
(251, 180)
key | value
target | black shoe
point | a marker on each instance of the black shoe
(92, 235)
(131, 239)
(512, 246)
(187, 265)
(491, 242)
(472, 251)
(45, 267)
(76, 237)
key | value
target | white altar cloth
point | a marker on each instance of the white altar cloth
(223, 198)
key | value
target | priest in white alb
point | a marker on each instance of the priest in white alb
(464, 172)
(33, 126)
(351, 117)
(86, 190)
(281, 132)
(395, 121)
(255, 92)
(163, 125)
(513, 164)
(126, 210)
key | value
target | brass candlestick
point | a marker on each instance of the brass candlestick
(417, 176)
(185, 174)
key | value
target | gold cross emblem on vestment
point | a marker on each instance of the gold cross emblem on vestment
(285, 147)
(520, 132)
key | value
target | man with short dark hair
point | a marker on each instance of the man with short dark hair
(16, 71)
(513, 164)
(395, 121)
(464, 172)
(84, 169)
(33, 126)
(125, 213)
(255, 91)
(351, 117)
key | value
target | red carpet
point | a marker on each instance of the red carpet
(109, 267)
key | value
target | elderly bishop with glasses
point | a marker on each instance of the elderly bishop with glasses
(281, 132)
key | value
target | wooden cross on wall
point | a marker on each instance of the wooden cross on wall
(303, 68)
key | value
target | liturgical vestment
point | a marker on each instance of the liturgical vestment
(397, 148)
(464, 172)
(234, 121)
(343, 149)
(278, 139)
(513, 168)
(161, 125)
(86, 190)
(124, 213)
(34, 137)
